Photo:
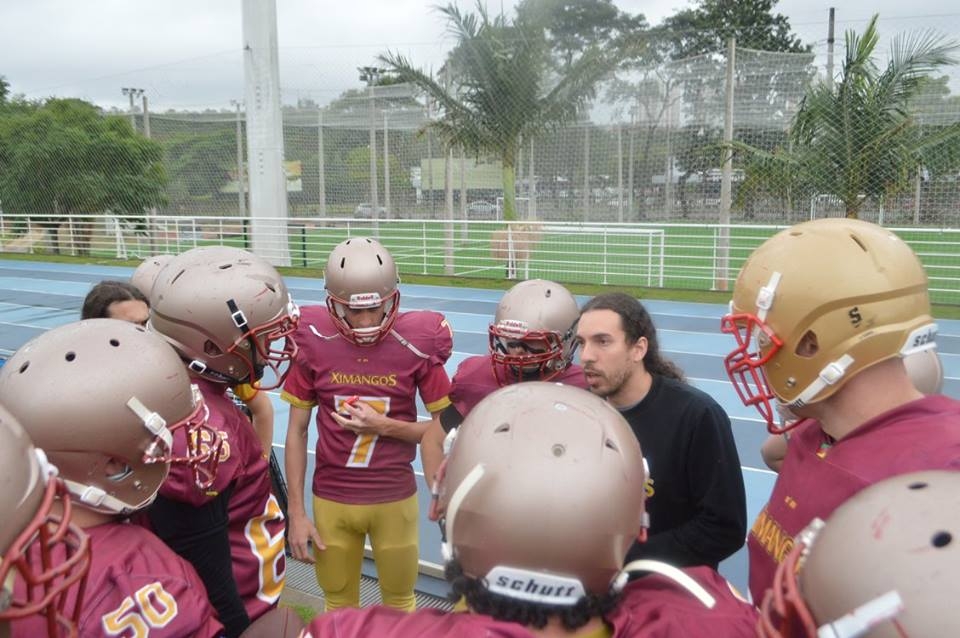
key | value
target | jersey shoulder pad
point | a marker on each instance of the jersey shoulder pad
(472, 369)
(429, 332)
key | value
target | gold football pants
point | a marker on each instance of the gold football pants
(392, 528)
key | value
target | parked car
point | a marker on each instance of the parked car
(366, 210)
(482, 209)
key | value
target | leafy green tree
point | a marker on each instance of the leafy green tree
(503, 90)
(575, 26)
(64, 158)
(859, 138)
(201, 163)
(691, 46)
(706, 28)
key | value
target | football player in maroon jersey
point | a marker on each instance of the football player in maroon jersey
(925, 371)
(39, 544)
(884, 565)
(229, 316)
(531, 339)
(541, 502)
(104, 399)
(823, 314)
(360, 345)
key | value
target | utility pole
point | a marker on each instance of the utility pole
(241, 198)
(132, 93)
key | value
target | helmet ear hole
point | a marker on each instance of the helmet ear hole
(211, 349)
(808, 345)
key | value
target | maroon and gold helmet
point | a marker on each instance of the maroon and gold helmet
(527, 488)
(533, 332)
(884, 565)
(229, 315)
(146, 273)
(818, 303)
(44, 558)
(104, 399)
(361, 273)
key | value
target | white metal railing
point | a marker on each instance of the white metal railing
(688, 256)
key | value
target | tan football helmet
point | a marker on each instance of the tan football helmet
(104, 399)
(533, 332)
(145, 274)
(44, 552)
(361, 273)
(925, 371)
(883, 566)
(229, 315)
(818, 303)
(526, 493)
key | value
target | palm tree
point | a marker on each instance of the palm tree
(858, 138)
(504, 87)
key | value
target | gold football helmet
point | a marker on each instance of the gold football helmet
(146, 273)
(39, 549)
(104, 399)
(818, 303)
(533, 332)
(883, 565)
(527, 488)
(361, 273)
(229, 315)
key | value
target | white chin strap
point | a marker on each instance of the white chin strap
(98, 500)
(155, 425)
(831, 374)
(864, 618)
(671, 572)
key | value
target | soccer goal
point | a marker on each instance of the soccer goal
(523, 208)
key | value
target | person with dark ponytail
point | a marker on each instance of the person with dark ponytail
(695, 492)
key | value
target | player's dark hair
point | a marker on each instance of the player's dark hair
(636, 322)
(96, 304)
(525, 613)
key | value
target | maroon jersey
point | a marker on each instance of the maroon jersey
(136, 587)
(366, 469)
(256, 523)
(651, 607)
(474, 381)
(817, 475)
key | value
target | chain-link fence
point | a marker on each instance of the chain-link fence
(649, 148)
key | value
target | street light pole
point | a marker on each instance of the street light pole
(132, 93)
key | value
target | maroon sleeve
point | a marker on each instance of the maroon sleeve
(140, 586)
(658, 607)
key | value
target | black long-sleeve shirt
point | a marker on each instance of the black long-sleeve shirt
(695, 495)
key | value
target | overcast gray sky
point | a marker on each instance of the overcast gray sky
(186, 53)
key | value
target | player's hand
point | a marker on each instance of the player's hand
(359, 418)
(300, 533)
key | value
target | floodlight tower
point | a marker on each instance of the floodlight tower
(133, 94)
(371, 75)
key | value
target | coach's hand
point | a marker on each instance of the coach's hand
(300, 533)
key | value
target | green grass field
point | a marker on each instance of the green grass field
(591, 258)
